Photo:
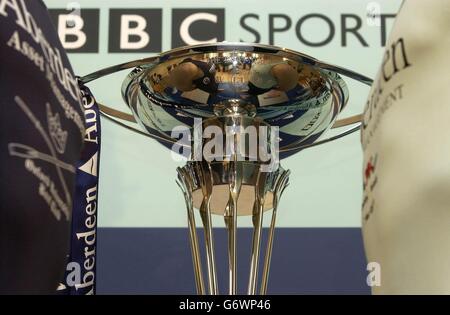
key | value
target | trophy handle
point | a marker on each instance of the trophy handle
(130, 118)
(117, 116)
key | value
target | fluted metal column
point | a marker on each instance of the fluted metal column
(199, 177)
(185, 183)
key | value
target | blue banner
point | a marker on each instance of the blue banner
(80, 276)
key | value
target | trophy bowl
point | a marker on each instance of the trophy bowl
(283, 88)
(234, 110)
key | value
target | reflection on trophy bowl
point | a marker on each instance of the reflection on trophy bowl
(283, 88)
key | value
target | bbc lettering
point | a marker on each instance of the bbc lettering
(197, 26)
(137, 30)
(140, 30)
(78, 31)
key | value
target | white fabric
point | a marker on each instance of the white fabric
(406, 141)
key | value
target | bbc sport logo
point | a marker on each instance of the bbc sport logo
(139, 30)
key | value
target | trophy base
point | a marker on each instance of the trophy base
(222, 175)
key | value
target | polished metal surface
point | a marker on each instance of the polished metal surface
(205, 178)
(260, 195)
(281, 184)
(285, 99)
(235, 76)
(235, 171)
(185, 183)
(280, 87)
(201, 177)
(221, 174)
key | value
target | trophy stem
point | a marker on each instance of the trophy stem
(268, 257)
(248, 191)
(186, 187)
(257, 219)
(233, 252)
(211, 263)
(232, 257)
(196, 255)
(279, 188)
(196, 258)
(230, 217)
(205, 214)
(256, 246)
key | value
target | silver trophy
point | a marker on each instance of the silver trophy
(234, 110)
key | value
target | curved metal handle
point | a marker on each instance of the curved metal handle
(305, 146)
(113, 115)
(113, 69)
